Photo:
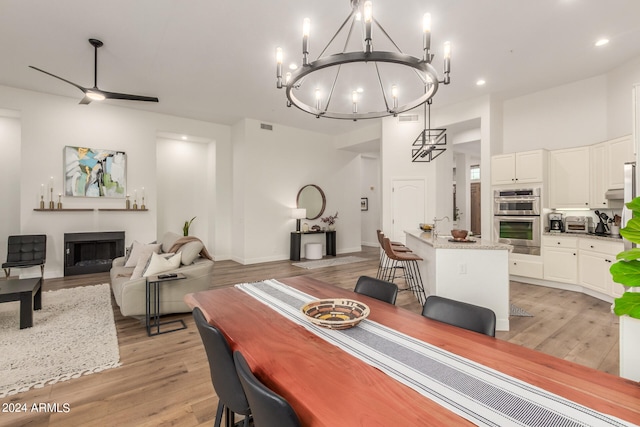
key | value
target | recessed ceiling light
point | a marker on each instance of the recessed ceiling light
(184, 138)
(601, 42)
(481, 82)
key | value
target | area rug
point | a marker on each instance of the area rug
(329, 262)
(73, 334)
(517, 311)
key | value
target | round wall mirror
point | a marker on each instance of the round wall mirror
(311, 197)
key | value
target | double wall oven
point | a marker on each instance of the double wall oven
(516, 219)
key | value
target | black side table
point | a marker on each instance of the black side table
(153, 320)
(28, 292)
(296, 243)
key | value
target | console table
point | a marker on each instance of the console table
(296, 242)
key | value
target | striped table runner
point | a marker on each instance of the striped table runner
(482, 395)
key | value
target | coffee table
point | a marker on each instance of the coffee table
(28, 292)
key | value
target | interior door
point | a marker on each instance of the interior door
(475, 208)
(408, 206)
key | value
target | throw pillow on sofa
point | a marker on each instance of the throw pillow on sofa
(168, 239)
(159, 264)
(143, 263)
(190, 251)
(140, 250)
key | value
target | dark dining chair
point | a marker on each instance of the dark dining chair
(231, 397)
(26, 251)
(376, 288)
(461, 314)
(268, 408)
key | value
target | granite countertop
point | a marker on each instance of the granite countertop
(442, 242)
(585, 236)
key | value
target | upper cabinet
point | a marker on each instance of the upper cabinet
(569, 178)
(619, 152)
(518, 168)
(579, 177)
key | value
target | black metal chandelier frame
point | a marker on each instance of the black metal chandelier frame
(422, 67)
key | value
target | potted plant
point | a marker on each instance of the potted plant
(330, 220)
(627, 271)
(185, 227)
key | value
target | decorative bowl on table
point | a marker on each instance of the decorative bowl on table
(336, 313)
(425, 227)
(459, 234)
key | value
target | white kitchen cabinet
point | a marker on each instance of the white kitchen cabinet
(526, 265)
(519, 168)
(569, 178)
(607, 168)
(599, 157)
(595, 258)
(560, 258)
(619, 151)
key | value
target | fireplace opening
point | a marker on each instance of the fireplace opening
(87, 253)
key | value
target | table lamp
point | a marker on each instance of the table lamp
(298, 214)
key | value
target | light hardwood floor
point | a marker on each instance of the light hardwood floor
(164, 380)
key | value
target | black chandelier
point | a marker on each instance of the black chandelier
(342, 76)
(431, 142)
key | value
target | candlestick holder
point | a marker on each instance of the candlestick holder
(127, 203)
(51, 205)
(142, 206)
(59, 201)
(135, 204)
(42, 201)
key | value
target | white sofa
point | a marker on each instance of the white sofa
(130, 293)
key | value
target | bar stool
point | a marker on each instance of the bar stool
(408, 261)
(384, 266)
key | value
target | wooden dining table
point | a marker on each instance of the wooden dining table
(326, 386)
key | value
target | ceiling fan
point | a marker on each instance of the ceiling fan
(95, 94)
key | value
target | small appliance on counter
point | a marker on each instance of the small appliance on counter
(579, 224)
(556, 225)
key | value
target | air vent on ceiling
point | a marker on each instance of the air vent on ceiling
(405, 118)
(266, 126)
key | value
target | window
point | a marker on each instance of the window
(474, 172)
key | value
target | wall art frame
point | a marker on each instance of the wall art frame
(94, 172)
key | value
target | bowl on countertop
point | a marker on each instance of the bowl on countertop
(425, 227)
(459, 234)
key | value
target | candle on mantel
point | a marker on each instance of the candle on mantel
(42, 189)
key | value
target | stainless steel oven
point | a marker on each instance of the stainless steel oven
(523, 232)
(516, 219)
(525, 201)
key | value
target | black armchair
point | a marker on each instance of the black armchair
(26, 251)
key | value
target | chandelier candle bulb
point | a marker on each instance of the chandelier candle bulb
(318, 98)
(447, 61)
(394, 93)
(426, 40)
(354, 98)
(368, 17)
(306, 27)
(279, 66)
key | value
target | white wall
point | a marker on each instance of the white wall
(370, 188)
(49, 123)
(270, 167)
(10, 129)
(561, 117)
(619, 84)
(183, 187)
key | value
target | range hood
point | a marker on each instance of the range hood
(614, 194)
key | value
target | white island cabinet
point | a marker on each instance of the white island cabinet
(476, 273)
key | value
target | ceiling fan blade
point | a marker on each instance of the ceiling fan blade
(86, 100)
(84, 90)
(115, 95)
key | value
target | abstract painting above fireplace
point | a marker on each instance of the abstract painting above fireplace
(92, 172)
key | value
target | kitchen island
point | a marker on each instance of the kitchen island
(476, 272)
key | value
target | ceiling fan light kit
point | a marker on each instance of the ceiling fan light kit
(385, 87)
(94, 93)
